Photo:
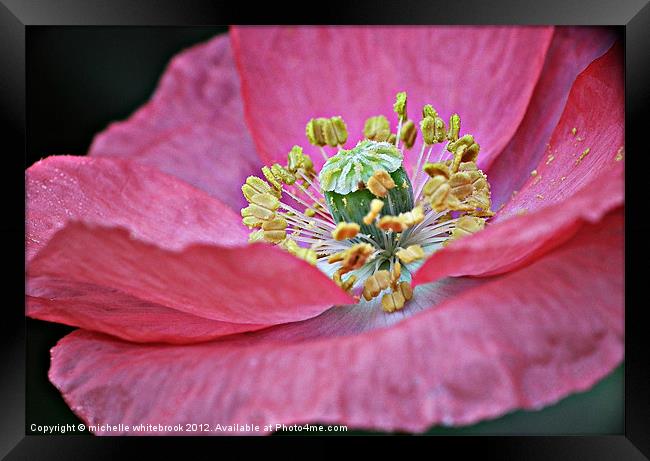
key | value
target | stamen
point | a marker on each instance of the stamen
(375, 284)
(274, 229)
(410, 254)
(408, 133)
(464, 150)
(307, 254)
(467, 225)
(400, 109)
(436, 169)
(454, 127)
(392, 223)
(345, 230)
(353, 258)
(375, 207)
(255, 185)
(377, 128)
(380, 183)
(369, 252)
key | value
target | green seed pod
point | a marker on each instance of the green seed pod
(353, 206)
(344, 176)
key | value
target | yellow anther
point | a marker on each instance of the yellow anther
(392, 302)
(328, 132)
(461, 185)
(436, 169)
(413, 217)
(408, 133)
(297, 160)
(377, 128)
(410, 254)
(252, 221)
(275, 229)
(270, 177)
(310, 212)
(375, 207)
(340, 129)
(256, 236)
(380, 183)
(467, 225)
(467, 166)
(375, 284)
(314, 132)
(306, 254)
(345, 285)
(464, 149)
(282, 174)
(433, 130)
(353, 258)
(429, 111)
(465, 190)
(403, 221)
(392, 223)
(395, 274)
(258, 212)
(345, 230)
(440, 130)
(267, 201)
(428, 128)
(436, 191)
(400, 105)
(255, 185)
(406, 289)
(454, 127)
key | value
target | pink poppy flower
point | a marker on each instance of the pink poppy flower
(181, 320)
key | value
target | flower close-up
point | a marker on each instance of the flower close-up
(387, 228)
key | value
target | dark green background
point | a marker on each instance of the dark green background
(80, 79)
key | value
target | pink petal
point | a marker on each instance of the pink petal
(254, 284)
(595, 108)
(523, 340)
(592, 186)
(571, 51)
(193, 126)
(153, 206)
(112, 312)
(291, 74)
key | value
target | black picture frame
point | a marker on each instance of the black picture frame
(16, 16)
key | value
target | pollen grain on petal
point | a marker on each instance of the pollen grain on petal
(583, 155)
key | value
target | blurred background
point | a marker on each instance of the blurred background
(79, 79)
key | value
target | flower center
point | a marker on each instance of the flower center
(362, 220)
